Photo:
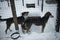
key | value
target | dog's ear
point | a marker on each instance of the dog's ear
(25, 13)
(48, 13)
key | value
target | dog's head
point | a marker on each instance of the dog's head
(48, 14)
(25, 14)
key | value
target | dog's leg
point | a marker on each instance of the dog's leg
(28, 27)
(28, 30)
(8, 27)
(22, 26)
(43, 27)
(23, 31)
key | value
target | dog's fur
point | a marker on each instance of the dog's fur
(37, 21)
(9, 21)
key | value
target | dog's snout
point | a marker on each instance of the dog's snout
(52, 16)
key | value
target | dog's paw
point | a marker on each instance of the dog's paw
(5, 32)
(10, 30)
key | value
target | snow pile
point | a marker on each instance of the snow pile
(39, 36)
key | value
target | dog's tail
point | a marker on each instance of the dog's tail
(2, 19)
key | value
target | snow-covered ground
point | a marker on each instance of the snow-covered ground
(35, 34)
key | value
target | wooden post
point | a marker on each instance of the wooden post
(14, 14)
(58, 16)
(23, 2)
(42, 5)
(38, 2)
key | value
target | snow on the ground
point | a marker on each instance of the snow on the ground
(35, 34)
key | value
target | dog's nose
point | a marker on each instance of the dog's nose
(52, 16)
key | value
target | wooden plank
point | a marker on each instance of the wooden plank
(14, 14)
(42, 5)
(23, 2)
(38, 2)
(58, 16)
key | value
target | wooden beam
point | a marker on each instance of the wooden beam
(58, 16)
(42, 5)
(38, 2)
(23, 2)
(14, 14)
